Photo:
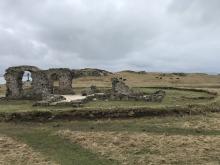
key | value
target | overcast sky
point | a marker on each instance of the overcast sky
(151, 35)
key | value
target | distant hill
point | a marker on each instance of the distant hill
(90, 72)
(150, 79)
(131, 71)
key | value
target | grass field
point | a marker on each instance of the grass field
(158, 140)
(184, 139)
(2, 90)
(153, 79)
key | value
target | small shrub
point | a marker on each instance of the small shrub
(180, 74)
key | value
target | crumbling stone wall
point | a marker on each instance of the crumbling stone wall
(43, 85)
(42, 82)
(13, 77)
(118, 86)
(120, 91)
(64, 76)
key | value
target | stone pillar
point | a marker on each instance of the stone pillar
(40, 84)
(65, 83)
(13, 85)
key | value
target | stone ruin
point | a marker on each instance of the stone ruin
(42, 82)
(120, 91)
(43, 88)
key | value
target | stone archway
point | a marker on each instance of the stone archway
(13, 77)
(54, 83)
(63, 77)
(42, 82)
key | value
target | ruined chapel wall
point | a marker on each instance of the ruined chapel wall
(40, 84)
(64, 77)
(13, 77)
(13, 86)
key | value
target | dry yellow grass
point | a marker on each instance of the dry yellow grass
(148, 148)
(151, 79)
(214, 124)
(13, 152)
(170, 79)
(209, 122)
(2, 90)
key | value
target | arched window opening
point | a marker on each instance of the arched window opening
(26, 80)
(54, 83)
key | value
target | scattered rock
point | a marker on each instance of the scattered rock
(49, 99)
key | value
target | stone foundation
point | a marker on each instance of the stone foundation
(120, 91)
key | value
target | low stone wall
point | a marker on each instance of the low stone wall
(120, 91)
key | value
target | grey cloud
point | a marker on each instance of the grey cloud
(162, 35)
(197, 12)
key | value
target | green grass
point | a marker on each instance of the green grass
(26, 105)
(173, 98)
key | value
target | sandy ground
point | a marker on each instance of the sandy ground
(73, 98)
(16, 153)
(144, 148)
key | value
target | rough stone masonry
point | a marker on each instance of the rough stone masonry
(42, 82)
